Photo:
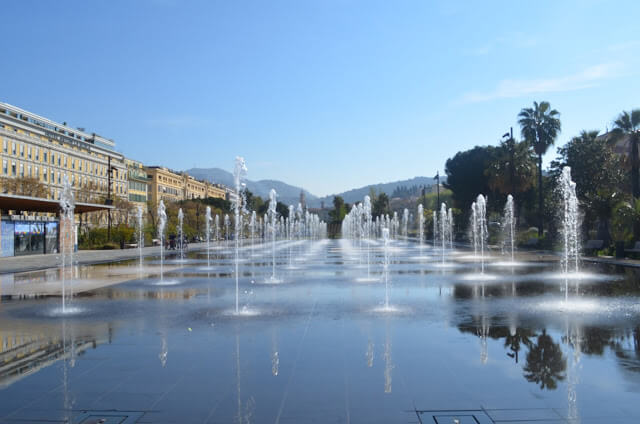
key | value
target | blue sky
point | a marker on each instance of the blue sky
(328, 95)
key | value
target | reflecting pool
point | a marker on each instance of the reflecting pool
(321, 344)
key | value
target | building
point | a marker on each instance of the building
(137, 184)
(164, 185)
(37, 147)
(171, 186)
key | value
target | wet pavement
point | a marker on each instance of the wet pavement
(520, 343)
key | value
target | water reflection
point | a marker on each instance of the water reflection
(388, 362)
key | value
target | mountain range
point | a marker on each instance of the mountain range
(290, 195)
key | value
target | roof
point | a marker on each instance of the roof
(38, 204)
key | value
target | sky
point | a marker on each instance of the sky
(329, 94)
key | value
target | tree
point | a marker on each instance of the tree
(597, 172)
(466, 176)
(540, 126)
(381, 205)
(24, 186)
(545, 363)
(512, 169)
(340, 209)
(627, 131)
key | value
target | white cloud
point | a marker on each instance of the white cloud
(511, 88)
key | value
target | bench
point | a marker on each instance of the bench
(636, 248)
(593, 245)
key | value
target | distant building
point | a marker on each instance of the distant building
(138, 183)
(37, 147)
(164, 185)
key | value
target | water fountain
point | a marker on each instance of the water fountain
(217, 228)
(444, 228)
(405, 223)
(450, 227)
(435, 228)
(570, 221)
(367, 217)
(240, 170)
(508, 226)
(67, 239)
(162, 222)
(227, 225)
(140, 234)
(273, 216)
(473, 228)
(385, 237)
(421, 224)
(207, 219)
(180, 236)
(481, 227)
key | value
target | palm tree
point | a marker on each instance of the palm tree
(627, 130)
(540, 127)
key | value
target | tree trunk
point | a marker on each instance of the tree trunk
(540, 197)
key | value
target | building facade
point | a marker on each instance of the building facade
(32, 146)
(164, 184)
(138, 184)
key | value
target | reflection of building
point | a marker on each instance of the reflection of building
(26, 351)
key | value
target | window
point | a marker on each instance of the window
(5, 167)
(44, 156)
(59, 160)
(29, 152)
(13, 169)
(73, 179)
(5, 145)
(52, 179)
(37, 173)
(37, 153)
(59, 179)
(22, 150)
(73, 164)
(65, 161)
(22, 170)
(13, 149)
(29, 170)
(45, 174)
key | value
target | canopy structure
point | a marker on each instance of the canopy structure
(38, 204)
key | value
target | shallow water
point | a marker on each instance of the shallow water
(321, 346)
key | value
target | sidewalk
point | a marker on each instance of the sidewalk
(82, 257)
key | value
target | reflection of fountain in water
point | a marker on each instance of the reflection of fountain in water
(275, 357)
(369, 354)
(243, 415)
(388, 363)
(483, 332)
(164, 351)
(68, 361)
(574, 340)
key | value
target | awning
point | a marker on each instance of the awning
(37, 204)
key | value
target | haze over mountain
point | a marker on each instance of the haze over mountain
(287, 194)
(357, 194)
(290, 195)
